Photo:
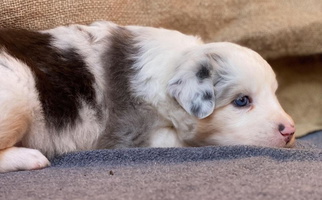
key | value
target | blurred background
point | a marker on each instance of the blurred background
(287, 33)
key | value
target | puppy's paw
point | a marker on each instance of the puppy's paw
(14, 159)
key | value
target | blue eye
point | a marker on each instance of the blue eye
(242, 101)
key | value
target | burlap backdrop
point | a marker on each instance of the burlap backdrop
(273, 28)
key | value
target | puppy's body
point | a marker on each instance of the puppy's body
(106, 86)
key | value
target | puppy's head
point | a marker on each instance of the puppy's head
(231, 90)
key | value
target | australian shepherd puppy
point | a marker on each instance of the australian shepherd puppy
(107, 86)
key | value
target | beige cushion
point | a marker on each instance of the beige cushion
(273, 28)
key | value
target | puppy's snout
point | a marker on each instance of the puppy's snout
(287, 131)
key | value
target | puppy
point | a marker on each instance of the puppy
(106, 86)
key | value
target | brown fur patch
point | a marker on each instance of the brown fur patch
(204, 129)
(14, 127)
(3, 152)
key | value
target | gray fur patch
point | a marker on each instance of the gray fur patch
(203, 72)
(130, 119)
(195, 109)
(207, 95)
(197, 105)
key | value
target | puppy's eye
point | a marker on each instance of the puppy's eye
(242, 101)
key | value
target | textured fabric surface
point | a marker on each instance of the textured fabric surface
(274, 28)
(227, 172)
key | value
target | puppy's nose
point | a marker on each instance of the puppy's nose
(286, 130)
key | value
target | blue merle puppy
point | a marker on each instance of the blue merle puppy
(101, 86)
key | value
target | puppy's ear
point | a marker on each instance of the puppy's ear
(192, 87)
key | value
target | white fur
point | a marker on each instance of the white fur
(165, 137)
(20, 158)
(160, 50)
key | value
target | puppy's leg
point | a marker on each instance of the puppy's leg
(15, 120)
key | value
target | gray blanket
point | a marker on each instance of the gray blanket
(226, 172)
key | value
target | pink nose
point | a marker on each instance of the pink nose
(287, 131)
